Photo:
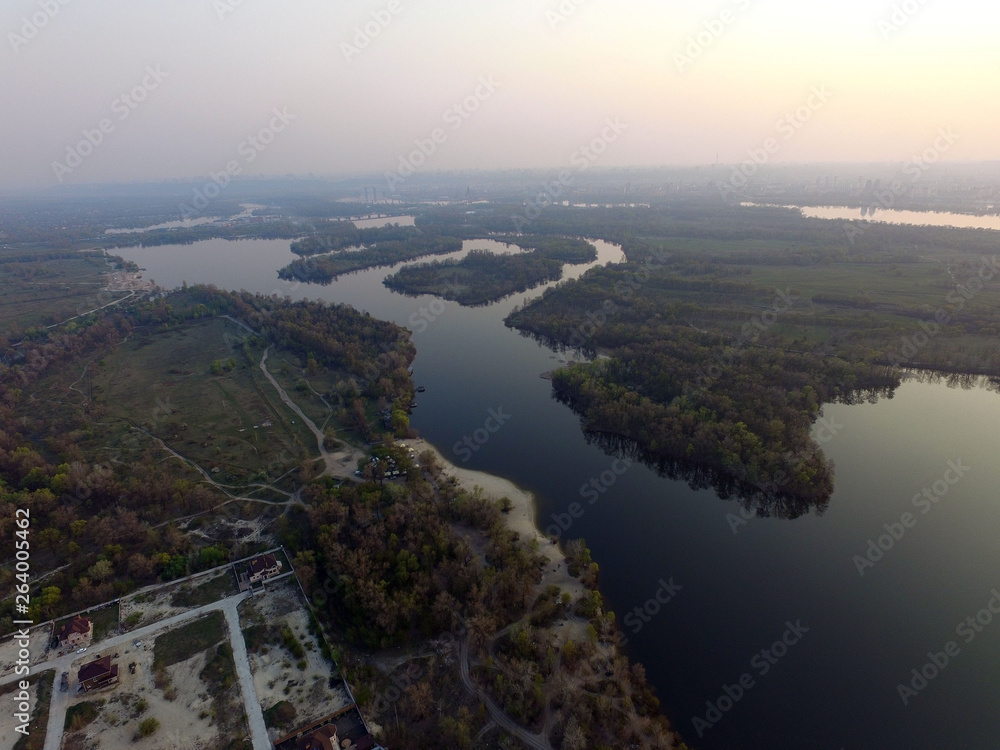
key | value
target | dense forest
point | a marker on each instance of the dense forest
(718, 350)
(342, 235)
(482, 276)
(386, 566)
(324, 268)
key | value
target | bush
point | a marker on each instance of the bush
(80, 715)
(147, 727)
(292, 643)
(281, 714)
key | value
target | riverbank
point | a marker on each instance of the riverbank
(569, 630)
(520, 518)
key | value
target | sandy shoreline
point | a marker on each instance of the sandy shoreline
(521, 517)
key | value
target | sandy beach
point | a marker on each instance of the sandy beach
(520, 519)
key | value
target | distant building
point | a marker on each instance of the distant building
(77, 632)
(98, 674)
(264, 567)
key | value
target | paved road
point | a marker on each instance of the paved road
(60, 700)
(258, 729)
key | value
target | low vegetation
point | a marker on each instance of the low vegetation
(183, 642)
(81, 715)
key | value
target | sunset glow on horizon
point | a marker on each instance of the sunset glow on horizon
(693, 81)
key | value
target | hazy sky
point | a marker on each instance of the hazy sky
(556, 72)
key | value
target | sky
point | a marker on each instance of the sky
(147, 90)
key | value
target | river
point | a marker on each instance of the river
(746, 583)
(897, 216)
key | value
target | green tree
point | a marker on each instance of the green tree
(101, 570)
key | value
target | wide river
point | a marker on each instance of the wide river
(897, 216)
(774, 624)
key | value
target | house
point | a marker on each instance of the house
(324, 738)
(98, 674)
(77, 632)
(263, 567)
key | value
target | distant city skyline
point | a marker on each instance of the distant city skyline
(118, 91)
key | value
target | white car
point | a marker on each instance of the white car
(81, 650)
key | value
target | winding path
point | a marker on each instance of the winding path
(317, 433)
(337, 464)
(537, 741)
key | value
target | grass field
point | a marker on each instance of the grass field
(301, 386)
(43, 292)
(105, 620)
(184, 642)
(230, 422)
(206, 592)
(80, 715)
(910, 284)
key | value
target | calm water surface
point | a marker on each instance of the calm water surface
(894, 216)
(742, 580)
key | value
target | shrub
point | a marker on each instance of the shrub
(147, 727)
